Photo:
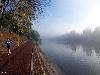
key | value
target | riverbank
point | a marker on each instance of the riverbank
(53, 68)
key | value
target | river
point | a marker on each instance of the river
(73, 60)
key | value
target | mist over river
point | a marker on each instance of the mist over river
(73, 59)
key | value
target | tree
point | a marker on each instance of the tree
(22, 11)
(33, 35)
(18, 15)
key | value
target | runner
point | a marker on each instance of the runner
(8, 45)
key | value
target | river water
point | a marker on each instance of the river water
(73, 59)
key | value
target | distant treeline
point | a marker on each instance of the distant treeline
(88, 36)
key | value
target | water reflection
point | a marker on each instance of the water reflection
(88, 49)
(72, 46)
(74, 59)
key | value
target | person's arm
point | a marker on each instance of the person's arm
(11, 42)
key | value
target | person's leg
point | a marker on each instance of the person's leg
(8, 46)
(9, 51)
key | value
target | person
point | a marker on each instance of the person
(8, 45)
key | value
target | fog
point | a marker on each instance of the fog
(88, 36)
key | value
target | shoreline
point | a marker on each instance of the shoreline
(52, 67)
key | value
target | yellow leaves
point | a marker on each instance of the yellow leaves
(20, 15)
(23, 14)
(23, 29)
(14, 17)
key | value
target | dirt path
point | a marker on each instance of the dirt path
(23, 59)
(18, 62)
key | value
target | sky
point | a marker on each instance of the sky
(64, 16)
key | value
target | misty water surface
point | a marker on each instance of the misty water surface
(74, 59)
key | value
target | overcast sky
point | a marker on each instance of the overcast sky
(67, 15)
